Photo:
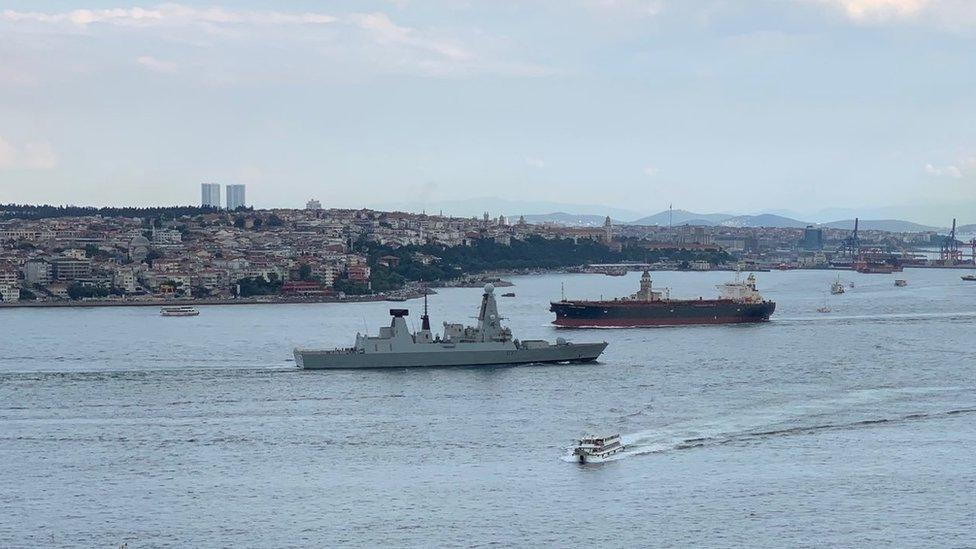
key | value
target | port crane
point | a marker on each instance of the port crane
(949, 253)
(852, 244)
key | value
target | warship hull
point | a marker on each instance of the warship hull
(448, 355)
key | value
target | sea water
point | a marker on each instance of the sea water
(853, 428)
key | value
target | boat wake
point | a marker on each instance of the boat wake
(809, 418)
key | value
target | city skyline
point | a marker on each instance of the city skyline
(740, 107)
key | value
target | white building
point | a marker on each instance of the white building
(313, 204)
(210, 195)
(38, 271)
(124, 279)
(9, 288)
(235, 196)
(9, 293)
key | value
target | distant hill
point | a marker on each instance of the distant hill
(509, 208)
(681, 217)
(563, 218)
(763, 220)
(890, 225)
(966, 229)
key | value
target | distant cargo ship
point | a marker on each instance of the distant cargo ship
(738, 302)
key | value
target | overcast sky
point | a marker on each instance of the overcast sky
(713, 105)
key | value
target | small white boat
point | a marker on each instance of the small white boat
(182, 310)
(592, 448)
(900, 282)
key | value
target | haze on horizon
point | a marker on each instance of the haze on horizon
(714, 105)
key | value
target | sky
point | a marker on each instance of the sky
(739, 106)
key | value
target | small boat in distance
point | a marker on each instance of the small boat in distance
(824, 308)
(592, 448)
(901, 282)
(508, 294)
(837, 287)
(182, 310)
(969, 278)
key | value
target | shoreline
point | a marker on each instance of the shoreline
(200, 302)
(371, 298)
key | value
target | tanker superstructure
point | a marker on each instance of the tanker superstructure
(488, 343)
(738, 302)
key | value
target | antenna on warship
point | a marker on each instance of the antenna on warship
(424, 319)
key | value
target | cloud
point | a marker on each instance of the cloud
(33, 155)
(639, 8)
(165, 15)
(650, 171)
(947, 14)
(155, 65)
(862, 10)
(535, 162)
(944, 171)
(385, 31)
(347, 44)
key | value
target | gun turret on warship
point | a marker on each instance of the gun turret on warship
(488, 343)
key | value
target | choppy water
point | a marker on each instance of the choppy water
(853, 428)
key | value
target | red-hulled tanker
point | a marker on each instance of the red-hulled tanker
(738, 302)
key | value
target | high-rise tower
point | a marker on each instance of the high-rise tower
(210, 195)
(235, 197)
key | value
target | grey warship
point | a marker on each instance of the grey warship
(488, 343)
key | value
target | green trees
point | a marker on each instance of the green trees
(351, 287)
(77, 291)
(258, 285)
(534, 252)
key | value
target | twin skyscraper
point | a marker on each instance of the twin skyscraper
(210, 195)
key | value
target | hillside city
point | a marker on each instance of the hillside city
(69, 255)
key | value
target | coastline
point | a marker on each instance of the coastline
(206, 302)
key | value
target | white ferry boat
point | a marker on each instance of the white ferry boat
(182, 310)
(591, 448)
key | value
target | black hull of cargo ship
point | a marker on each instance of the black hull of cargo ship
(620, 314)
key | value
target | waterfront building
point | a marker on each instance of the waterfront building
(9, 292)
(210, 195)
(124, 279)
(71, 268)
(813, 239)
(358, 273)
(38, 271)
(235, 197)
